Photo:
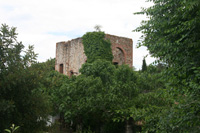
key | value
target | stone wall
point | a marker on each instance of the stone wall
(122, 49)
(70, 55)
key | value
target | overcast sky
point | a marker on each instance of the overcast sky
(42, 23)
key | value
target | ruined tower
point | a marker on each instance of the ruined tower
(70, 55)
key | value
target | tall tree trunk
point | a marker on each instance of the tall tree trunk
(129, 126)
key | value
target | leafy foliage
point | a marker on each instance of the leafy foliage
(90, 99)
(172, 35)
(12, 129)
(96, 47)
(146, 107)
(99, 68)
(151, 79)
(21, 99)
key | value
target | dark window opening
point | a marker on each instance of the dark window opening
(115, 63)
(61, 68)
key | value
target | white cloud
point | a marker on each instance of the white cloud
(45, 22)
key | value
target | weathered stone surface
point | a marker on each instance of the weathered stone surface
(70, 55)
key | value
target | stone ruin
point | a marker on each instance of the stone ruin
(70, 55)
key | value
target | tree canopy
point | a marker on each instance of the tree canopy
(91, 99)
(22, 100)
(172, 35)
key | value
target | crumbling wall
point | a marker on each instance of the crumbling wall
(70, 55)
(122, 49)
(60, 56)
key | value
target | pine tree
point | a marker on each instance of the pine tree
(144, 65)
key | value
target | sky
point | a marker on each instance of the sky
(43, 23)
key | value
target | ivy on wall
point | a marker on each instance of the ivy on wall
(96, 46)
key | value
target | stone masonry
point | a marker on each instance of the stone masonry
(70, 55)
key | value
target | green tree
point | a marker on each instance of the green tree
(146, 106)
(92, 99)
(151, 79)
(172, 35)
(21, 99)
(144, 65)
(50, 82)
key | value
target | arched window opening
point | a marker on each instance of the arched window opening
(119, 56)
